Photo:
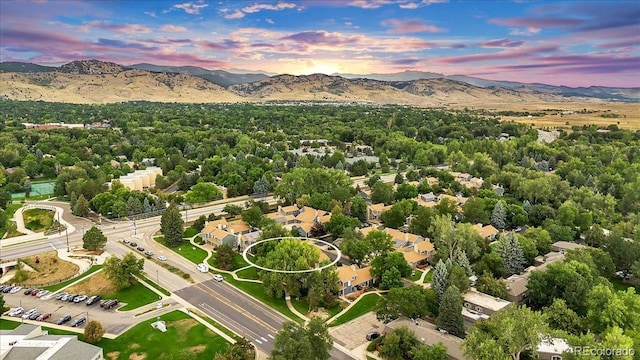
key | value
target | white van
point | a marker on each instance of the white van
(203, 267)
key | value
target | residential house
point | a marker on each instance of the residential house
(419, 253)
(564, 246)
(553, 348)
(479, 306)
(249, 238)
(29, 341)
(487, 232)
(353, 279)
(375, 210)
(429, 334)
(218, 232)
(517, 291)
(285, 215)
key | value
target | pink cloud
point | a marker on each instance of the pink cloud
(191, 8)
(409, 26)
(369, 4)
(502, 55)
(173, 28)
(415, 5)
(525, 32)
(235, 15)
(117, 28)
(259, 7)
(501, 43)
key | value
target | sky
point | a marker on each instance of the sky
(571, 43)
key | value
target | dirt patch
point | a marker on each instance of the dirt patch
(134, 346)
(49, 269)
(138, 356)
(320, 313)
(87, 252)
(94, 285)
(182, 325)
(113, 355)
(196, 349)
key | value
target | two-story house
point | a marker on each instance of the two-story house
(352, 278)
(375, 210)
(478, 306)
(218, 232)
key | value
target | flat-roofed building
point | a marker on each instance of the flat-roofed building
(428, 334)
(30, 342)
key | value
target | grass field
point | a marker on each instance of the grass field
(303, 307)
(190, 252)
(184, 336)
(134, 296)
(38, 220)
(427, 278)
(59, 286)
(190, 232)
(416, 275)
(366, 304)
(49, 269)
(248, 273)
(155, 285)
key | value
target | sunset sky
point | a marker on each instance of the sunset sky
(573, 43)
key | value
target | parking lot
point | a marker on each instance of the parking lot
(114, 322)
(354, 333)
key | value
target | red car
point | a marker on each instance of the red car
(44, 317)
(34, 292)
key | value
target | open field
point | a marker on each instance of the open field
(56, 287)
(624, 115)
(190, 252)
(134, 296)
(38, 220)
(49, 269)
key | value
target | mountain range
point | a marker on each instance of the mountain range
(94, 81)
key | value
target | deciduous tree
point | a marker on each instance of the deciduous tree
(121, 272)
(93, 332)
(295, 341)
(413, 302)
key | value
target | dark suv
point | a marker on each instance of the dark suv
(79, 321)
(63, 319)
(94, 299)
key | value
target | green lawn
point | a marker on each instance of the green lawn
(215, 324)
(37, 220)
(415, 277)
(303, 307)
(248, 273)
(188, 251)
(155, 285)
(59, 286)
(190, 232)
(427, 278)
(366, 304)
(238, 261)
(11, 209)
(257, 291)
(143, 342)
(135, 296)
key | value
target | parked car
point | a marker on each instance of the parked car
(104, 301)
(218, 277)
(126, 240)
(17, 311)
(148, 253)
(34, 292)
(42, 293)
(28, 291)
(29, 313)
(71, 297)
(63, 319)
(140, 248)
(2, 287)
(34, 316)
(373, 335)
(162, 258)
(7, 288)
(44, 317)
(133, 244)
(60, 296)
(80, 298)
(79, 321)
(111, 304)
(94, 299)
(65, 297)
(15, 289)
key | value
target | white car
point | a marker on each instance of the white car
(15, 289)
(162, 258)
(218, 277)
(203, 267)
(42, 293)
(17, 311)
(29, 313)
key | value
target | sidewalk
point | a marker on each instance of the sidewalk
(30, 235)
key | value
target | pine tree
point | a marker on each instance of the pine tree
(81, 208)
(450, 315)
(171, 225)
(440, 276)
(526, 205)
(146, 206)
(460, 259)
(512, 254)
(73, 198)
(499, 216)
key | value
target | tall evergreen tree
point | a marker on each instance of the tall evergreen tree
(81, 208)
(460, 259)
(440, 276)
(450, 315)
(512, 254)
(499, 216)
(171, 225)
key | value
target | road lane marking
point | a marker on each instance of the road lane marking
(241, 310)
(271, 336)
(258, 341)
(232, 323)
(263, 339)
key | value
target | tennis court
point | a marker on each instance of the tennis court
(41, 188)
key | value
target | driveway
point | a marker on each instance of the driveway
(353, 334)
